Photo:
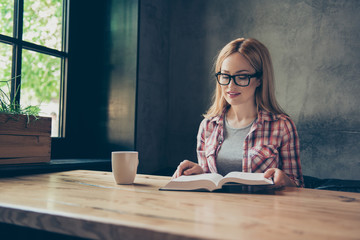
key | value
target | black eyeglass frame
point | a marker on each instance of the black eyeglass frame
(249, 76)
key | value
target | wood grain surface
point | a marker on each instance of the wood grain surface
(24, 125)
(89, 204)
(24, 139)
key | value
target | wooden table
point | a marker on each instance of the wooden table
(89, 204)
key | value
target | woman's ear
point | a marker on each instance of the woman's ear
(258, 82)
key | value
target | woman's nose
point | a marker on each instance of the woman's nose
(232, 83)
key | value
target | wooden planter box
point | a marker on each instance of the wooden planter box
(24, 139)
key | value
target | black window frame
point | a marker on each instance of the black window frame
(18, 44)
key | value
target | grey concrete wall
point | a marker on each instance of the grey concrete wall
(315, 49)
(152, 86)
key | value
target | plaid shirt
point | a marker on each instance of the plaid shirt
(272, 142)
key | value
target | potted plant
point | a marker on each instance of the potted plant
(24, 136)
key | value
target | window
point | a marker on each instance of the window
(34, 55)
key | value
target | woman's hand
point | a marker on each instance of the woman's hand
(280, 178)
(187, 167)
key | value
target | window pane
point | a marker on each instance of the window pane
(5, 67)
(42, 22)
(5, 75)
(40, 85)
(6, 16)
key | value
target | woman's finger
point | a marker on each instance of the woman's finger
(269, 173)
(183, 166)
(190, 171)
(195, 169)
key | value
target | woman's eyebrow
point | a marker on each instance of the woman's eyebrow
(240, 71)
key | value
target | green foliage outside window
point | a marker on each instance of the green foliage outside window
(7, 15)
(42, 22)
(6, 28)
(42, 25)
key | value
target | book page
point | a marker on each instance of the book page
(246, 178)
(214, 177)
(207, 181)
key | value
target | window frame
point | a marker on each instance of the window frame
(18, 44)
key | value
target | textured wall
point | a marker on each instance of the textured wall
(152, 87)
(315, 48)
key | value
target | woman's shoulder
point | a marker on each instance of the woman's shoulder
(275, 117)
(279, 122)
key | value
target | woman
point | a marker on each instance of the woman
(245, 129)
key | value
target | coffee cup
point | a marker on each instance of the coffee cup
(124, 166)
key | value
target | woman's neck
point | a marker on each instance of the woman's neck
(241, 116)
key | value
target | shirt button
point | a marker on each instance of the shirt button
(220, 141)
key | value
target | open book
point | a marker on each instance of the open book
(214, 181)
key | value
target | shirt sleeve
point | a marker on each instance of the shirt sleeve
(200, 147)
(290, 153)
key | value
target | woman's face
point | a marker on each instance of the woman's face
(236, 64)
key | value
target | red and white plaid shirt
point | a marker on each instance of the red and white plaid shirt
(272, 142)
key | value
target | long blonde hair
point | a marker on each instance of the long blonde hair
(259, 58)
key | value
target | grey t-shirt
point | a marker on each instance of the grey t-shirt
(230, 155)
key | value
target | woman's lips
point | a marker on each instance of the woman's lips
(233, 94)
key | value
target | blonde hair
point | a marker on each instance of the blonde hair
(259, 58)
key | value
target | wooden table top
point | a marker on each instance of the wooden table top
(89, 204)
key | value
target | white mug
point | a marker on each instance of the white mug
(124, 166)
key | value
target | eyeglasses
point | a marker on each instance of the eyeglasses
(242, 80)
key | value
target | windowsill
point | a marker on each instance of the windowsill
(57, 165)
